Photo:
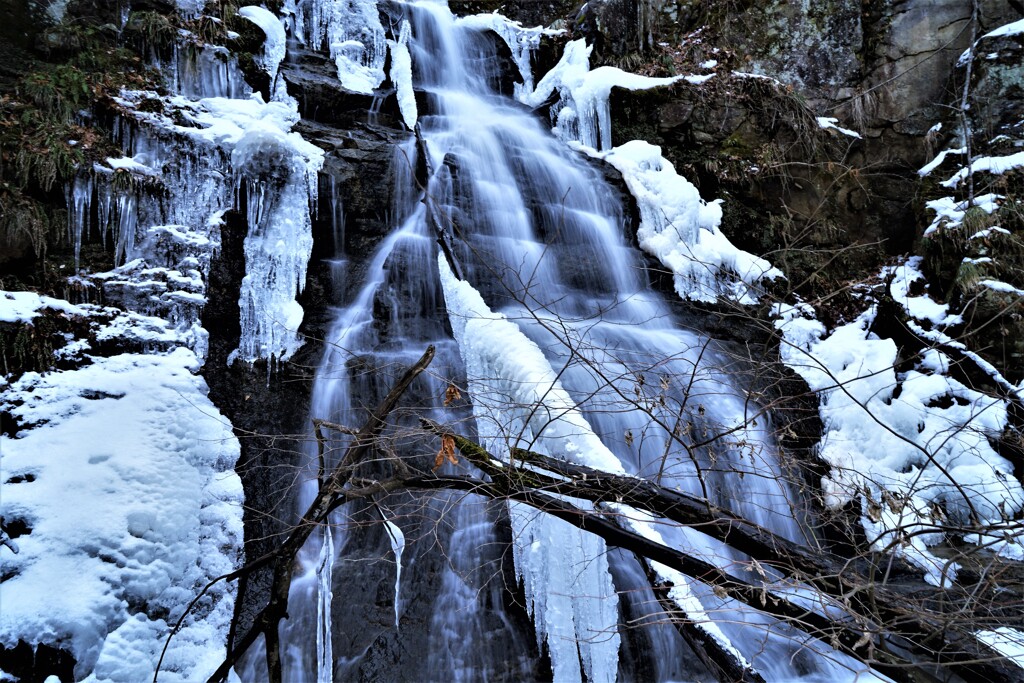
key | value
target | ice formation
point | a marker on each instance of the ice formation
(521, 41)
(677, 227)
(401, 74)
(122, 468)
(354, 36)
(564, 570)
(279, 171)
(273, 47)
(582, 112)
(248, 143)
(397, 539)
(324, 598)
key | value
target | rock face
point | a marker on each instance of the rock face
(827, 205)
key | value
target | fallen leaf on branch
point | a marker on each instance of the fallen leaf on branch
(447, 452)
(451, 394)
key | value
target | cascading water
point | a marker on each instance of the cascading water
(566, 350)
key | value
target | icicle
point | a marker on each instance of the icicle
(397, 546)
(103, 212)
(280, 171)
(127, 220)
(324, 572)
(564, 570)
(79, 200)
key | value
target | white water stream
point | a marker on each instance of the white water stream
(564, 349)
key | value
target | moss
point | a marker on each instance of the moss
(46, 131)
(150, 32)
(27, 347)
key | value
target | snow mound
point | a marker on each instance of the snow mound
(132, 506)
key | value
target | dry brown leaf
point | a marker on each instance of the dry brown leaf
(447, 452)
(451, 394)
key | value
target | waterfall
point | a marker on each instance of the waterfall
(565, 349)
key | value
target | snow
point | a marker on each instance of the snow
(401, 74)
(564, 570)
(930, 459)
(827, 122)
(135, 164)
(585, 94)
(133, 508)
(22, 307)
(1012, 29)
(950, 212)
(1008, 642)
(921, 307)
(353, 34)
(682, 230)
(677, 226)
(994, 165)
(697, 80)
(937, 161)
(1003, 287)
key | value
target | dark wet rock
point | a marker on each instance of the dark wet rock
(36, 662)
